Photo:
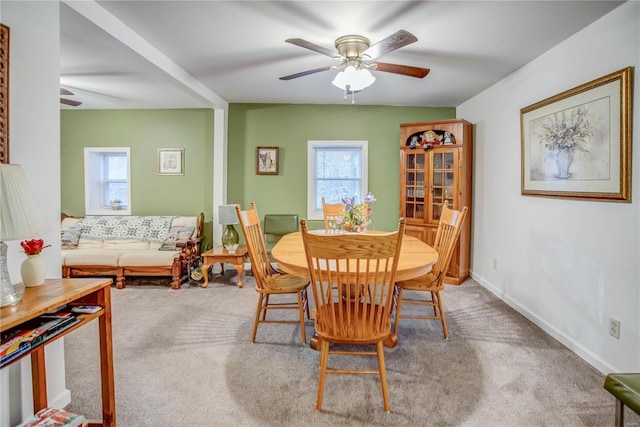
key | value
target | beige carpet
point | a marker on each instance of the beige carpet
(184, 358)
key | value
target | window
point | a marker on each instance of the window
(336, 169)
(107, 178)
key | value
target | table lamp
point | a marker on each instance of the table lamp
(227, 216)
(20, 218)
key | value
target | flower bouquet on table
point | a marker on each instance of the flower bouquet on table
(33, 246)
(357, 216)
(33, 269)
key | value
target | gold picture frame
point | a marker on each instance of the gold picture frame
(4, 94)
(267, 160)
(577, 144)
(170, 161)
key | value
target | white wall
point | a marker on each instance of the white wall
(567, 265)
(34, 135)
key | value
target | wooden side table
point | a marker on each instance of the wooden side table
(54, 294)
(221, 255)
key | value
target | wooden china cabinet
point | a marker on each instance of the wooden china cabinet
(435, 169)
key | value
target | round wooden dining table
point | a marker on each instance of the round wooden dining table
(416, 258)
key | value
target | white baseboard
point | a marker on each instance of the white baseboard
(61, 400)
(568, 342)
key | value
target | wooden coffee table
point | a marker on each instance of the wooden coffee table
(220, 255)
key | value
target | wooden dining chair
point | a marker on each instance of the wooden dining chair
(271, 283)
(331, 212)
(433, 282)
(352, 278)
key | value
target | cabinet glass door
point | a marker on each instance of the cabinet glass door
(414, 186)
(443, 182)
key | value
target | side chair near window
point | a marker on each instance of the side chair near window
(352, 277)
(331, 212)
(433, 282)
(271, 283)
(276, 226)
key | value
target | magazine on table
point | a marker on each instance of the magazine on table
(52, 417)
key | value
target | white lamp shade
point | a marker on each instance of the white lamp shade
(20, 214)
(227, 214)
(355, 79)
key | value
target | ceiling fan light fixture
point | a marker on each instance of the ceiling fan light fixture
(356, 79)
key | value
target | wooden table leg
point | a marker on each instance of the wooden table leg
(106, 360)
(39, 379)
(205, 274)
(239, 269)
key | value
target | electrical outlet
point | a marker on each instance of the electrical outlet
(495, 264)
(614, 328)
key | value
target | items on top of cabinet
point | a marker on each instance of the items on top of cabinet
(426, 139)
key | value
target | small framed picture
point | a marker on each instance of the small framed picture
(170, 161)
(267, 161)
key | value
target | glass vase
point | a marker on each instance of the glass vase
(230, 238)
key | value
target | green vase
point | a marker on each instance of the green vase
(230, 238)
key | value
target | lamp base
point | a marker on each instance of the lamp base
(8, 295)
(230, 238)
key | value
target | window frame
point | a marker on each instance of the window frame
(93, 181)
(313, 146)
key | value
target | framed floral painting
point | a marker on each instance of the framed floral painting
(577, 144)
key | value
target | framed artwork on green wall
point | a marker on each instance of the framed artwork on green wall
(170, 161)
(267, 161)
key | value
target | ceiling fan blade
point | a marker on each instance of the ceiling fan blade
(66, 101)
(405, 70)
(314, 47)
(64, 91)
(394, 41)
(306, 73)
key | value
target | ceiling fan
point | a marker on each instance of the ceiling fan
(356, 51)
(66, 101)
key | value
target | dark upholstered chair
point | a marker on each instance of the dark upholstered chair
(626, 389)
(276, 226)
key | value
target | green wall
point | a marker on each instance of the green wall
(291, 126)
(287, 126)
(144, 131)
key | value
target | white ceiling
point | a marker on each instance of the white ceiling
(235, 50)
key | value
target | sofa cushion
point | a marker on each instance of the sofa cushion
(185, 221)
(147, 258)
(177, 233)
(153, 228)
(91, 257)
(69, 222)
(126, 245)
(70, 237)
(89, 243)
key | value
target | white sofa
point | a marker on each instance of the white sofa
(124, 246)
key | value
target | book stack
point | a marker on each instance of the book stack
(28, 335)
(52, 417)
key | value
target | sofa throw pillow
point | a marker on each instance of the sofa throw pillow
(70, 237)
(175, 235)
